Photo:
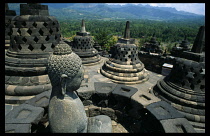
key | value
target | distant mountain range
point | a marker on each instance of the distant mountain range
(105, 11)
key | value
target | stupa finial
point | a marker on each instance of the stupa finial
(83, 26)
(127, 31)
(199, 41)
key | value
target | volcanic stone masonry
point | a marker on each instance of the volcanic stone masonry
(124, 65)
(184, 87)
(34, 34)
(82, 45)
(9, 14)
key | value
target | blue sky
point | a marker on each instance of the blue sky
(197, 8)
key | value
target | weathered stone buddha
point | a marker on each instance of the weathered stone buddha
(33, 36)
(9, 14)
(82, 45)
(66, 111)
(124, 65)
(184, 87)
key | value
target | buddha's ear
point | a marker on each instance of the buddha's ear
(63, 83)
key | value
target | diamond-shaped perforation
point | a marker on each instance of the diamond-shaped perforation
(56, 37)
(199, 81)
(52, 46)
(19, 47)
(202, 87)
(24, 39)
(201, 70)
(43, 47)
(36, 39)
(195, 75)
(15, 39)
(53, 23)
(24, 23)
(41, 32)
(34, 24)
(57, 29)
(19, 31)
(51, 31)
(47, 38)
(45, 24)
(30, 47)
(29, 31)
(15, 23)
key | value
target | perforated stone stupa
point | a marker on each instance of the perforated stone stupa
(184, 88)
(34, 34)
(124, 65)
(82, 45)
(9, 14)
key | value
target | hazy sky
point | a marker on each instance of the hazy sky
(197, 8)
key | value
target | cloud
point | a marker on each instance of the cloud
(197, 8)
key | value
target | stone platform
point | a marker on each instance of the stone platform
(131, 108)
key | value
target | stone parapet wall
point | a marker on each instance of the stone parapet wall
(155, 62)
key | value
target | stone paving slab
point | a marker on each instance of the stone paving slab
(17, 128)
(24, 114)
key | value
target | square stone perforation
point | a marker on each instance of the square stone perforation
(24, 23)
(29, 31)
(19, 31)
(45, 24)
(19, 47)
(36, 39)
(43, 47)
(34, 24)
(47, 38)
(41, 32)
(30, 47)
(24, 39)
(51, 31)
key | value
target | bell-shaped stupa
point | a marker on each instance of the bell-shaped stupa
(184, 87)
(82, 45)
(34, 34)
(124, 65)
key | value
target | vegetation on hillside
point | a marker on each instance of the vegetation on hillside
(165, 31)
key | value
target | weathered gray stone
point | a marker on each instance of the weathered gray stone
(162, 110)
(94, 111)
(24, 114)
(109, 112)
(40, 100)
(99, 124)
(178, 125)
(18, 128)
(66, 111)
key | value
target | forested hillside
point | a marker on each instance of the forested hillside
(166, 31)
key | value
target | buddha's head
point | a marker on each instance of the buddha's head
(65, 68)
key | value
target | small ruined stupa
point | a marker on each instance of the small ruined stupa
(152, 46)
(34, 34)
(184, 87)
(124, 65)
(82, 45)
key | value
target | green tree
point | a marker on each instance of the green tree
(105, 39)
